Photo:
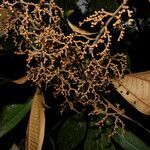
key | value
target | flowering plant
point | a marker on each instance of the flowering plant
(77, 64)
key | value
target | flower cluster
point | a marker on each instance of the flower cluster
(79, 66)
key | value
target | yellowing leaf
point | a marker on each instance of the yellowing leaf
(21, 80)
(4, 19)
(69, 12)
(135, 88)
(36, 126)
(78, 30)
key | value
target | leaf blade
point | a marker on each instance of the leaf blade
(130, 141)
(97, 140)
(71, 133)
(36, 126)
(21, 80)
(79, 30)
(11, 115)
(135, 88)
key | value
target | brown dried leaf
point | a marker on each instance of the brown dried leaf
(135, 88)
(21, 80)
(78, 30)
(36, 126)
(4, 18)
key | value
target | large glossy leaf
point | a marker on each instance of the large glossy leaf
(130, 141)
(36, 126)
(135, 88)
(96, 140)
(11, 115)
(71, 133)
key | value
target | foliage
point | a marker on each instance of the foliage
(77, 60)
(12, 114)
(137, 93)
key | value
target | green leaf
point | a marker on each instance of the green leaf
(97, 140)
(129, 141)
(71, 133)
(11, 115)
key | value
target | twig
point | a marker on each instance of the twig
(108, 21)
(120, 113)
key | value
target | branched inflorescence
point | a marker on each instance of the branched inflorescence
(79, 66)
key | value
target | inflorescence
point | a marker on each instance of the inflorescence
(79, 66)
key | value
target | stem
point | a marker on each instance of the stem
(108, 22)
(120, 113)
(52, 142)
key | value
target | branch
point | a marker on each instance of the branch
(108, 21)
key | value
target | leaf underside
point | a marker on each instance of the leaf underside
(36, 126)
(135, 88)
